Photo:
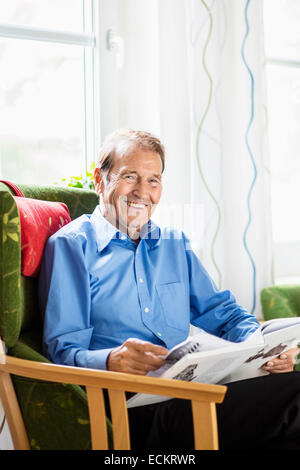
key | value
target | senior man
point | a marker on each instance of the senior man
(117, 292)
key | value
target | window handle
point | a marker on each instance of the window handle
(115, 43)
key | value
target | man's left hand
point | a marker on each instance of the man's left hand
(283, 363)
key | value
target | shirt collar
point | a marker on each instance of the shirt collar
(105, 231)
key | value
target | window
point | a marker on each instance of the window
(47, 108)
(282, 45)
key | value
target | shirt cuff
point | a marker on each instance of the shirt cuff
(93, 359)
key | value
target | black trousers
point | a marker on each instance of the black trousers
(257, 414)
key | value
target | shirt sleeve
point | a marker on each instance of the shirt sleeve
(65, 302)
(216, 311)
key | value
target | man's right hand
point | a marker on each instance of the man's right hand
(135, 356)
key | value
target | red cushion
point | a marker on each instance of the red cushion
(39, 220)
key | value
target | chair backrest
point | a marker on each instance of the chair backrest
(18, 300)
(280, 301)
(56, 416)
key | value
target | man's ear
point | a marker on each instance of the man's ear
(98, 180)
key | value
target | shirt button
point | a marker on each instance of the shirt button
(159, 334)
(123, 237)
(141, 280)
(146, 309)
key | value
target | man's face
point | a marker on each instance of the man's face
(132, 189)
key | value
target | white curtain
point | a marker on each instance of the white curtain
(230, 153)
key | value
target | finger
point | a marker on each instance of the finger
(288, 355)
(287, 359)
(283, 356)
(136, 367)
(291, 353)
(281, 371)
(275, 364)
(135, 370)
(126, 363)
(141, 360)
(278, 363)
(278, 367)
(146, 346)
(146, 359)
(284, 367)
(126, 358)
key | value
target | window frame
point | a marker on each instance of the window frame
(284, 273)
(86, 40)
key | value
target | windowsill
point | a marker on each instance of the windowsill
(287, 280)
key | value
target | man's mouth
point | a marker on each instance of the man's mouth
(137, 205)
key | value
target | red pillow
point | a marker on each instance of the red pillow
(39, 220)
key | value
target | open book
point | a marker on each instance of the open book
(209, 359)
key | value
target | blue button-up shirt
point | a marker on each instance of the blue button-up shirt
(98, 288)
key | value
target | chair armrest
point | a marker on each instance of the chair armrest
(113, 380)
(203, 397)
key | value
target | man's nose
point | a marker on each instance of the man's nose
(141, 189)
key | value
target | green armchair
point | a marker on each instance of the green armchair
(56, 415)
(52, 407)
(281, 301)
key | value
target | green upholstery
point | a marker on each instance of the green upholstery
(281, 301)
(55, 415)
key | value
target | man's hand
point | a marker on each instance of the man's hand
(136, 357)
(283, 363)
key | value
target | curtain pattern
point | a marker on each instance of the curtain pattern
(230, 154)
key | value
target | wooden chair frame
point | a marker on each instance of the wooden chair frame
(203, 397)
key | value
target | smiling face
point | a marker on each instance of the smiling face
(131, 190)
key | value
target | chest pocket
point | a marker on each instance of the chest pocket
(174, 302)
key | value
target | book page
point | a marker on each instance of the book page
(221, 361)
(200, 342)
(278, 324)
(206, 367)
(276, 341)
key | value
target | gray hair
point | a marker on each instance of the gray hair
(123, 141)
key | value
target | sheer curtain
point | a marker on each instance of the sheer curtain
(230, 150)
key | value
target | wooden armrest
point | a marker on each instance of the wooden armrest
(202, 396)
